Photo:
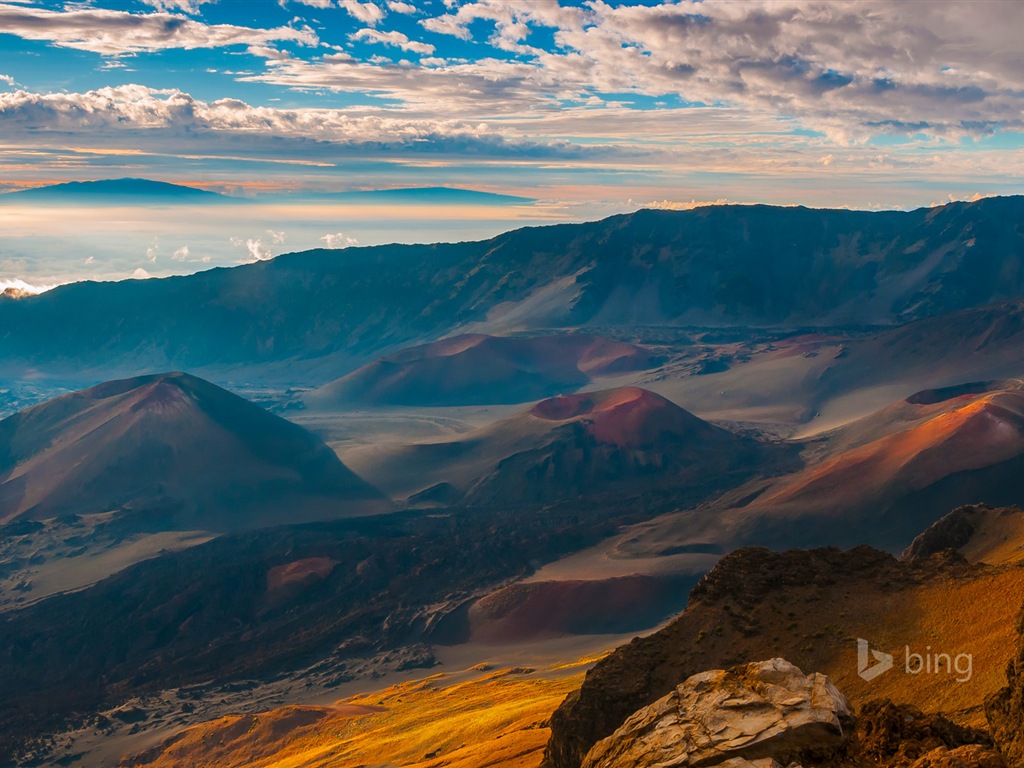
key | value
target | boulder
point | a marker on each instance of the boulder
(760, 712)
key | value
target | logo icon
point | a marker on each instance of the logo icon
(868, 672)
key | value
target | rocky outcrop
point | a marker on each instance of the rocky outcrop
(1005, 708)
(902, 736)
(766, 710)
(769, 713)
(724, 625)
(950, 532)
(730, 612)
(972, 756)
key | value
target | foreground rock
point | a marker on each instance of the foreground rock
(768, 709)
(902, 736)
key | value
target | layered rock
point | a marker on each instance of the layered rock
(762, 711)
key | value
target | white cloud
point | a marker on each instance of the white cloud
(140, 274)
(170, 121)
(153, 250)
(851, 70)
(187, 6)
(6, 80)
(397, 6)
(113, 33)
(366, 12)
(682, 205)
(181, 254)
(338, 240)
(259, 248)
(396, 39)
(21, 287)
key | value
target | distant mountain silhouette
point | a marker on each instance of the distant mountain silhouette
(726, 266)
(141, 190)
(177, 453)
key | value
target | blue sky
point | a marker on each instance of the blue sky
(589, 107)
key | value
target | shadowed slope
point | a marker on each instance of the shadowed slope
(619, 440)
(475, 368)
(176, 450)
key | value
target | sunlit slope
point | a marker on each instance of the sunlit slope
(498, 720)
(972, 450)
(880, 480)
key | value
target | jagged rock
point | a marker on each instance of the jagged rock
(973, 756)
(950, 532)
(767, 711)
(735, 602)
(1005, 708)
(901, 736)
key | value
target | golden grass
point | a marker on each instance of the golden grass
(495, 721)
(499, 718)
(973, 617)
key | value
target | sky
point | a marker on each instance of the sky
(587, 107)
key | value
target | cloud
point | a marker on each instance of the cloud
(850, 70)
(259, 248)
(396, 39)
(397, 6)
(20, 287)
(187, 6)
(166, 121)
(140, 274)
(180, 254)
(113, 33)
(6, 80)
(682, 205)
(368, 13)
(338, 240)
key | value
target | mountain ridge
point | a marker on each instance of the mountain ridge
(331, 311)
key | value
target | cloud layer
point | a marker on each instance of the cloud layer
(527, 93)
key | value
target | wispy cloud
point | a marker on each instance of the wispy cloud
(396, 39)
(113, 33)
